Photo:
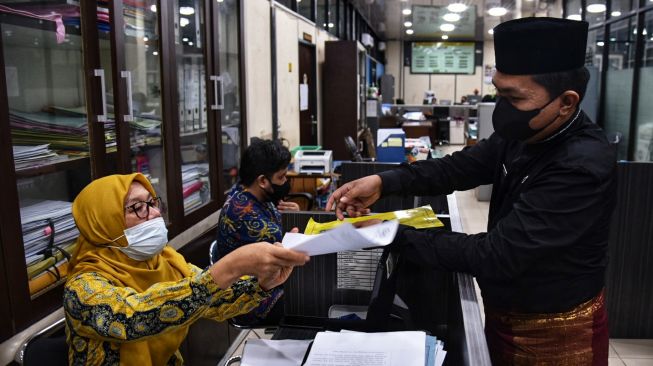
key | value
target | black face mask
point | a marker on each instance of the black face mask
(279, 191)
(512, 123)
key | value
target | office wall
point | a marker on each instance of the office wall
(451, 87)
(258, 75)
(287, 76)
(290, 28)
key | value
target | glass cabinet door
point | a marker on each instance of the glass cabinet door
(229, 71)
(190, 46)
(139, 77)
(49, 134)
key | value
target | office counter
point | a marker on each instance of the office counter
(449, 307)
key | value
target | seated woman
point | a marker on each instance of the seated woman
(130, 298)
(251, 212)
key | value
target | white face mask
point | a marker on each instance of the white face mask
(145, 240)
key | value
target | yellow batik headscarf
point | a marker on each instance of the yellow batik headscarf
(100, 217)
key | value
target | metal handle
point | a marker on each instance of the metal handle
(215, 79)
(233, 360)
(130, 100)
(102, 117)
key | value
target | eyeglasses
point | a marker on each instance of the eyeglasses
(142, 208)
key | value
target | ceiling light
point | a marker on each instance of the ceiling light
(406, 11)
(491, 31)
(497, 11)
(409, 31)
(615, 13)
(613, 39)
(153, 8)
(155, 53)
(596, 8)
(445, 37)
(185, 39)
(190, 43)
(574, 17)
(458, 7)
(451, 17)
(145, 39)
(408, 24)
(331, 25)
(186, 10)
(644, 32)
(183, 21)
(600, 44)
(447, 27)
(223, 0)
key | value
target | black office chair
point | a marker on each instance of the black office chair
(47, 347)
(353, 149)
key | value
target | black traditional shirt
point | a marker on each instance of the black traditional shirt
(546, 245)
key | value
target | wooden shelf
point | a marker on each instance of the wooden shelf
(69, 164)
(192, 133)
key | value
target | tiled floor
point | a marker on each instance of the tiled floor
(623, 352)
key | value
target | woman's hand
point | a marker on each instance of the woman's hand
(271, 264)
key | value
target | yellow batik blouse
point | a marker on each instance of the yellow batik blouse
(101, 316)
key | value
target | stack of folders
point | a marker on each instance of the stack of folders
(67, 133)
(347, 348)
(146, 131)
(35, 217)
(32, 156)
(194, 177)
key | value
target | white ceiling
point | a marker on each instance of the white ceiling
(387, 19)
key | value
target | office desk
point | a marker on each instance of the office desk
(419, 129)
(311, 290)
(307, 183)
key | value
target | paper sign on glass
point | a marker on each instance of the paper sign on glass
(342, 238)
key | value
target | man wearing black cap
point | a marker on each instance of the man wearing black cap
(541, 264)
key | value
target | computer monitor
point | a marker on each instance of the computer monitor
(473, 99)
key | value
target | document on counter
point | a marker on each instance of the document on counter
(342, 238)
(363, 349)
(287, 352)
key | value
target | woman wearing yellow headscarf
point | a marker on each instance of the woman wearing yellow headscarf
(130, 298)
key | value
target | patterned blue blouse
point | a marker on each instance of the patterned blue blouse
(246, 220)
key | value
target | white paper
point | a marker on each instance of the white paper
(269, 352)
(342, 238)
(383, 133)
(303, 97)
(363, 349)
(370, 110)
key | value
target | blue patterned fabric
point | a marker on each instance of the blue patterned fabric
(246, 220)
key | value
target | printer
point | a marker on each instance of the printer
(313, 161)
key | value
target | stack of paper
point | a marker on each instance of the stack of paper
(66, 133)
(36, 231)
(194, 179)
(347, 348)
(32, 156)
(146, 131)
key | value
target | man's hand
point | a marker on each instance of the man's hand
(354, 197)
(271, 264)
(287, 206)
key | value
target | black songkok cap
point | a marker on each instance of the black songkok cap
(529, 46)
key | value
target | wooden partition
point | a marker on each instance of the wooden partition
(629, 282)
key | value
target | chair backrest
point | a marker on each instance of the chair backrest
(46, 347)
(52, 351)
